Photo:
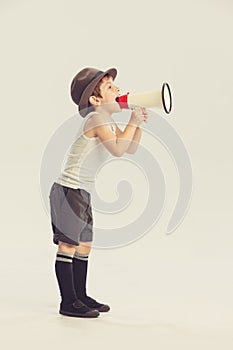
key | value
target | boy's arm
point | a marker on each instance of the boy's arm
(135, 141)
(116, 145)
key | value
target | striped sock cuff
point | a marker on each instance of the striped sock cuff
(64, 257)
(81, 256)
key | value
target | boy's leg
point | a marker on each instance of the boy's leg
(80, 267)
(70, 305)
(63, 269)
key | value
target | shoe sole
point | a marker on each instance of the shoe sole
(72, 314)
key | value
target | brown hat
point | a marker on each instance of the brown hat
(84, 83)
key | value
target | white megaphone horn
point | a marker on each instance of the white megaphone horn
(156, 98)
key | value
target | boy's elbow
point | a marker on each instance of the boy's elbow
(131, 151)
(118, 154)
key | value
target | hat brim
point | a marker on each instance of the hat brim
(84, 100)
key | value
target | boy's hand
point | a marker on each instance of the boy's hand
(138, 116)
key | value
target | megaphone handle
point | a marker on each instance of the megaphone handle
(135, 107)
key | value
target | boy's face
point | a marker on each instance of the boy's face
(109, 93)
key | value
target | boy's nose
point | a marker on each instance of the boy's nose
(117, 88)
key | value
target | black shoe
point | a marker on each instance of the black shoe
(78, 309)
(93, 304)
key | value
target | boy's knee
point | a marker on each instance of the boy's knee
(66, 248)
(84, 247)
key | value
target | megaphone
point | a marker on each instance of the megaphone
(157, 98)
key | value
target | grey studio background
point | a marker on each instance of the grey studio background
(166, 291)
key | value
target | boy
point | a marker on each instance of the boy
(70, 196)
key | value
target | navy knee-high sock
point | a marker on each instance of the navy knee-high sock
(64, 274)
(80, 266)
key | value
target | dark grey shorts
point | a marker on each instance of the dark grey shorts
(71, 214)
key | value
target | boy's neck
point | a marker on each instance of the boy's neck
(102, 111)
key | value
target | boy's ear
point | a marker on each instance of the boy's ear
(94, 101)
